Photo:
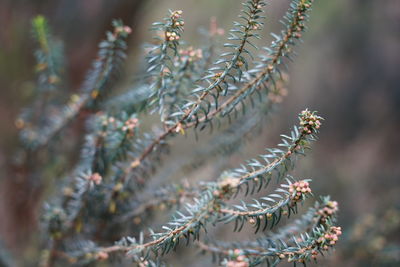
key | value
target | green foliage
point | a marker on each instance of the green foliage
(108, 189)
(294, 243)
(99, 81)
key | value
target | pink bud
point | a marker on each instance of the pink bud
(127, 29)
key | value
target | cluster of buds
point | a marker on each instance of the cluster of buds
(239, 259)
(176, 15)
(255, 26)
(191, 54)
(95, 178)
(172, 36)
(309, 121)
(257, 5)
(120, 30)
(330, 238)
(298, 190)
(130, 125)
(123, 30)
(329, 209)
(306, 5)
(299, 27)
(314, 254)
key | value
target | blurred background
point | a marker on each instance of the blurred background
(347, 69)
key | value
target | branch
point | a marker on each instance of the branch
(99, 81)
(187, 119)
(209, 207)
(321, 236)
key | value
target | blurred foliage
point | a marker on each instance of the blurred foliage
(372, 241)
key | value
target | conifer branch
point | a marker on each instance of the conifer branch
(106, 195)
(50, 56)
(301, 247)
(296, 16)
(99, 80)
(159, 58)
(209, 207)
(279, 48)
